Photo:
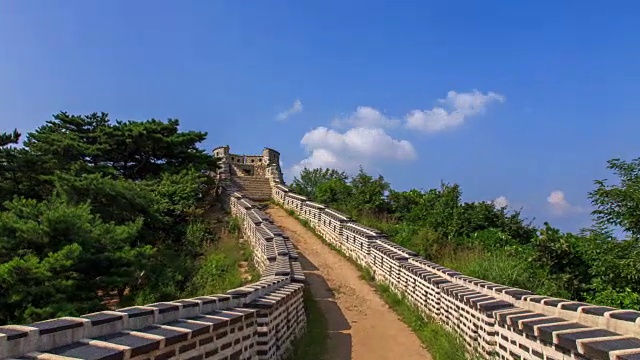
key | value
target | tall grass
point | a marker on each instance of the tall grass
(218, 270)
(501, 266)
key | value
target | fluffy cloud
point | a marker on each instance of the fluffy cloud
(294, 109)
(360, 138)
(559, 204)
(460, 105)
(348, 150)
(501, 202)
(366, 116)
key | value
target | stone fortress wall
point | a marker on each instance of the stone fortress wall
(257, 321)
(260, 320)
(495, 321)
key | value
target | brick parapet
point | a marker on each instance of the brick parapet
(492, 319)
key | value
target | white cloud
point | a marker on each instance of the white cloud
(461, 105)
(559, 204)
(294, 109)
(501, 202)
(362, 140)
(347, 151)
(366, 116)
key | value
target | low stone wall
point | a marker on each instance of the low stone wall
(494, 320)
(257, 321)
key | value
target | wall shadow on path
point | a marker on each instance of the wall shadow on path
(305, 263)
(339, 342)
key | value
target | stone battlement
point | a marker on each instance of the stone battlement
(492, 319)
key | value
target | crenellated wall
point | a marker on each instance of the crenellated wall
(494, 320)
(257, 321)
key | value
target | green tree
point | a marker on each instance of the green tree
(479, 216)
(9, 138)
(19, 170)
(311, 179)
(369, 193)
(566, 258)
(401, 203)
(91, 207)
(618, 205)
(335, 192)
(134, 150)
(56, 258)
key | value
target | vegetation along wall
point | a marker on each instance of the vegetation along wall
(257, 321)
(494, 320)
(109, 215)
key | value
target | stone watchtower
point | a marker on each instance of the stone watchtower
(253, 175)
(272, 158)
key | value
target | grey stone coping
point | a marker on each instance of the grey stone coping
(502, 317)
(88, 352)
(13, 334)
(282, 188)
(195, 328)
(597, 310)
(528, 325)
(634, 356)
(217, 323)
(314, 205)
(164, 307)
(545, 332)
(103, 317)
(139, 345)
(569, 340)
(600, 350)
(361, 229)
(56, 325)
(336, 215)
(205, 300)
(187, 303)
(170, 336)
(629, 315)
(515, 320)
(517, 294)
(296, 197)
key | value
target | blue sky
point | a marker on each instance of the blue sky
(524, 101)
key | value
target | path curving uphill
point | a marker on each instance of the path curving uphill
(361, 326)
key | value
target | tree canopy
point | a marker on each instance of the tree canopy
(91, 207)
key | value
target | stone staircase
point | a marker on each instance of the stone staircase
(256, 188)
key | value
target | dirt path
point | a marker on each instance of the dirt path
(361, 326)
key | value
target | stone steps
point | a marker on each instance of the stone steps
(256, 188)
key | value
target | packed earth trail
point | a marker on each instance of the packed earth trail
(361, 326)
